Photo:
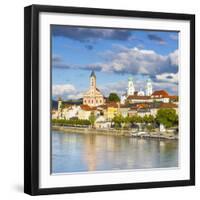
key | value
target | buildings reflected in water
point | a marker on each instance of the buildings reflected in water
(73, 152)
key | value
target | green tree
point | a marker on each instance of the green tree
(133, 119)
(149, 127)
(113, 97)
(92, 119)
(71, 122)
(167, 117)
(139, 119)
(148, 119)
(126, 121)
(136, 119)
(118, 120)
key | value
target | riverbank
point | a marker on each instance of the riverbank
(128, 133)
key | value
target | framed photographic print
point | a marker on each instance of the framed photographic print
(109, 100)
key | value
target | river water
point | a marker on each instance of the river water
(76, 152)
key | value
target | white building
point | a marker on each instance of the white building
(149, 88)
(131, 88)
(140, 93)
(66, 111)
(133, 93)
(101, 122)
(123, 98)
(71, 112)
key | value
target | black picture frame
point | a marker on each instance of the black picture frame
(31, 98)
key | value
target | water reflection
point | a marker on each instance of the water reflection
(73, 152)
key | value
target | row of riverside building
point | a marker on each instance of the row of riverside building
(131, 103)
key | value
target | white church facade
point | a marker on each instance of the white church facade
(138, 95)
(145, 96)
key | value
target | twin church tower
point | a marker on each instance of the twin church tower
(131, 88)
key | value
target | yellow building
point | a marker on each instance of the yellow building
(112, 110)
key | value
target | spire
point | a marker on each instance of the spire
(92, 74)
(130, 78)
(148, 80)
(93, 80)
(59, 99)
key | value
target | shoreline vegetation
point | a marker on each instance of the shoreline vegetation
(162, 126)
(169, 135)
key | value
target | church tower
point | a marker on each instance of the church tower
(93, 96)
(93, 81)
(59, 104)
(131, 88)
(149, 88)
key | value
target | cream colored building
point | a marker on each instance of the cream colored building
(71, 111)
(93, 96)
(85, 112)
(54, 114)
(101, 122)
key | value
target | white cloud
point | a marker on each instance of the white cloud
(66, 91)
(174, 57)
(117, 87)
(77, 95)
(171, 88)
(168, 77)
(63, 89)
(135, 60)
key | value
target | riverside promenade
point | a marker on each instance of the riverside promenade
(114, 132)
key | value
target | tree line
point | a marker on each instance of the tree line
(165, 116)
(71, 122)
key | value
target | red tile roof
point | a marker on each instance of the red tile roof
(142, 105)
(168, 105)
(173, 97)
(124, 106)
(87, 108)
(101, 107)
(138, 97)
(160, 93)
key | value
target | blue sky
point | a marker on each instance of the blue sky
(114, 54)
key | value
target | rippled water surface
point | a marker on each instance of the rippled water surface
(74, 152)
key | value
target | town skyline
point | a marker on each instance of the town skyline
(114, 55)
(139, 85)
